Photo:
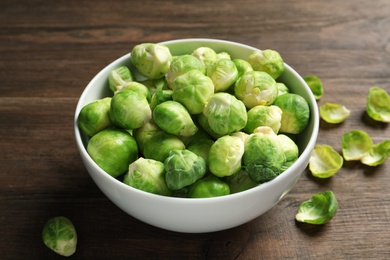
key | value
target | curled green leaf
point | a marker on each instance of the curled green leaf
(334, 113)
(325, 161)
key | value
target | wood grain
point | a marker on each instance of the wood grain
(50, 50)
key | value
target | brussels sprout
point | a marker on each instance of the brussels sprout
(378, 104)
(118, 77)
(206, 55)
(240, 181)
(334, 113)
(295, 113)
(173, 118)
(223, 55)
(144, 133)
(225, 156)
(264, 156)
(268, 61)
(225, 113)
(204, 123)
(147, 175)
(208, 187)
(256, 88)
(282, 88)
(377, 155)
(193, 90)
(59, 234)
(94, 116)
(155, 85)
(315, 86)
(137, 87)
(319, 209)
(223, 74)
(113, 150)
(159, 97)
(129, 109)
(183, 168)
(182, 64)
(151, 60)
(290, 149)
(199, 135)
(201, 147)
(264, 116)
(325, 161)
(242, 135)
(242, 67)
(160, 144)
(355, 144)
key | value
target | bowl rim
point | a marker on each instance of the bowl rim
(284, 175)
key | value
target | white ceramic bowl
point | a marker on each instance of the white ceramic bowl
(209, 214)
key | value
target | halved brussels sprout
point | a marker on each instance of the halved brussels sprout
(242, 67)
(118, 77)
(315, 85)
(268, 61)
(325, 161)
(113, 150)
(129, 109)
(223, 74)
(378, 154)
(183, 168)
(173, 118)
(225, 156)
(160, 144)
(94, 117)
(151, 60)
(206, 55)
(193, 90)
(334, 113)
(137, 87)
(147, 175)
(240, 181)
(181, 65)
(225, 113)
(264, 116)
(256, 88)
(319, 209)
(355, 144)
(295, 113)
(208, 187)
(378, 104)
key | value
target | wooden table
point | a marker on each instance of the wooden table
(50, 50)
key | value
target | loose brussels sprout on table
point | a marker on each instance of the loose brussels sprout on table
(196, 125)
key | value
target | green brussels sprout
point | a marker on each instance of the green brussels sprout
(94, 117)
(206, 55)
(208, 187)
(325, 161)
(118, 77)
(225, 113)
(199, 135)
(147, 175)
(223, 55)
(268, 61)
(155, 85)
(137, 87)
(201, 147)
(225, 156)
(242, 67)
(113, 150)
(129, 109)
(355, 144)
(256, 88)
(315, 85)
(144, 133)
(378, 154)
(193, 90)
(151, 60)
(264, 156)
(295, 113)
(334, 113)
(183, 168)
(319, 209)
(204, 123)
(160, 144)
(223, 74)
(282, 88)
(159, 97)
(59, 234)
(242, 135)
(378, 104)
(182, 64)
(240, 181)
(173, 118)
(264, 116)
(290, 149)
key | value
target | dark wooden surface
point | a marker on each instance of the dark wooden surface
(50, 50)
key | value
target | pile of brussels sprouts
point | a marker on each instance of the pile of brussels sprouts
(195, 125)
